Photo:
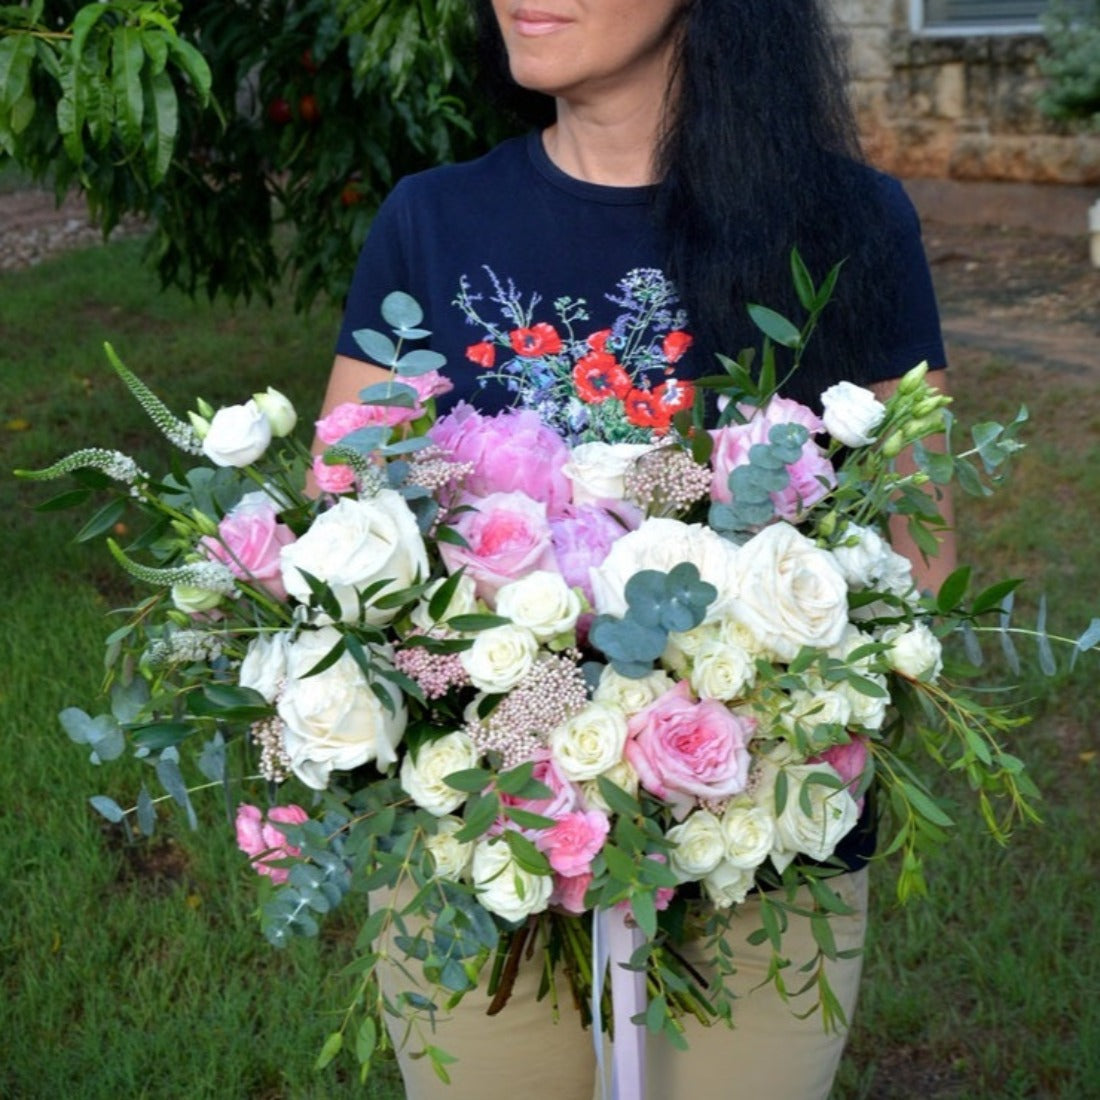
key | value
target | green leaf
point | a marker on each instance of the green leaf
(16, 54)
(160, 735)
(332, 1046)
(991, 598)
(479, 814)
(644, 907)
(161, 125)
(776, 326)
(525, 853)
(127, 59)
(103, 520)
(952, 590)
(471, 780)
(390, 394)
(401, 310)
(803, 282)
(366, 1040)
(193, 64)
(108, 807)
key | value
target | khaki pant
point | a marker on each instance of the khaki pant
(770, 1053)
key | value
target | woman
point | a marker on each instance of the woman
(689, 145)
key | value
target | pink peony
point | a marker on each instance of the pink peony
(569, 891)
(333, 478)
(684, 750)
(262, 841)
(512, 451)
(249, 540)
(507, 536)
(574, 841)
(582, 536)
(811, 476)
(849, 761)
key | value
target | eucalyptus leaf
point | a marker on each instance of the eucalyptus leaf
(401, 310)
(376, 346)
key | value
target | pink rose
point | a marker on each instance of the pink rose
(353, 415)
(811, 476)
(248, 542)
(512, 451)
(569, 891)
(259, 838)
(336, 478)
(684, 750)
(582, 536)
(507, 537)
(849, 761)
(575, 841)
(429, 385)
(564, 799)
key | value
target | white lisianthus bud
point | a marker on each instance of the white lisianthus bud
(278, 410)
(700, 846)
(851, 414)
(238, 435)
(199, 423)
(194, 600)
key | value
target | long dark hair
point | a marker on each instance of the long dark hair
(760, 153)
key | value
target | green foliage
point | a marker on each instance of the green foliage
(223, 123)
(1072, 67)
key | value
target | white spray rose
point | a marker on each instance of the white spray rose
(333, 719)
(422, 778)
(817, 706)
(728, 885)
(914, 651)
(354, 544)
(628, 694)
(868, 561)
(264, 666)
(503, 886)
(622, 774)
(722, 671)
(500, 657)
(833, 813)
(660, 544)
(590, 742)
(792, 593)
(463, 601)
(451, 857)
(278, 410)
(867, 711)
(700, 846)
(237, 435)
(598, 470)
(542, 602)
(851, 414)
(749, 832)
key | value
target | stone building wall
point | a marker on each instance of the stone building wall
(957, 108)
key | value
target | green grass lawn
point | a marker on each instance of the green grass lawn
(141, 970)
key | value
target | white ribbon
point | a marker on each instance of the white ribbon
(613, 942)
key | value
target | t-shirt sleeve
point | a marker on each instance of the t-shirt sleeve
(382, 267)
(916, 334)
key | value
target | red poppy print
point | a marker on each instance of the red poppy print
(598, 340)
(536, 341)
(483, 354)
(598, 376)
(675, 395)
(645, 410)
(674, 346)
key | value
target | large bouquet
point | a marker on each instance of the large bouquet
(508, 677)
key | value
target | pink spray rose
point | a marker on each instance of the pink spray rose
(430, 384)
(564, 799)
(569, 891)
(263, 842)
(336, 478)
(811, 476)
(849, 762)
(575, 841)
(512, 451)
(684, 750)
(248, 542)
(353, 415)
(507, 536)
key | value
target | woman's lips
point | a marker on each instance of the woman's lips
(532, 23)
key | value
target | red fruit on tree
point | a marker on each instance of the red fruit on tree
(278, 111)
(308, 110)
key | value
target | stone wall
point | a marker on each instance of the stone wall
(957, 108)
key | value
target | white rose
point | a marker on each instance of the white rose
(851, 414)
(333, 719)
(598, 470)
(264, 666)
(278, 410)
(542, 602)
(193, 599)
(503, 886)
(749, 832)
(817, 706)
(868, 561)
(699, 843)
(422, 777)
(354, 544)
(628, 694)
(463, 601)
(661, 543)
(728, 885)
(590, 742)
(622, 774)
(914, 651)
(684, 645)
(867, 711)
(833, 813)
(792, 593)
(500, 657)
(237, 435)
(722, 671)
(451, 857)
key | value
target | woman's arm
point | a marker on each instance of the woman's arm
(929, 573)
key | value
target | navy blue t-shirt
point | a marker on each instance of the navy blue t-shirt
(509, 242)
